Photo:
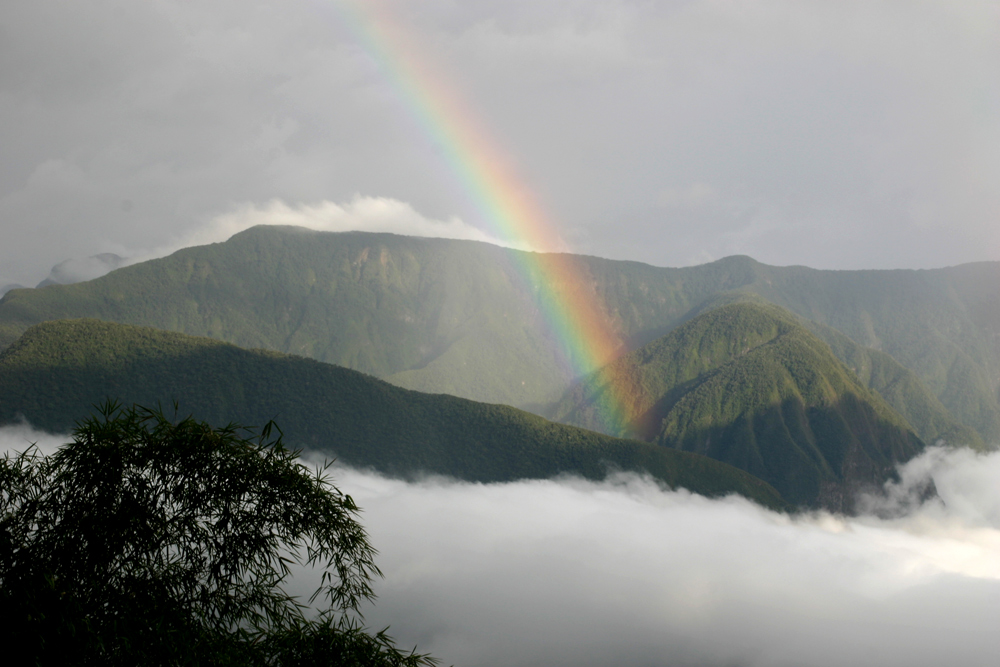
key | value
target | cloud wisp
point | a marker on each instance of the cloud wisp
(624, 572)
(367, 214)
(19, 437)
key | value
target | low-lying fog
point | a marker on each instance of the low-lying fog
(570, 572)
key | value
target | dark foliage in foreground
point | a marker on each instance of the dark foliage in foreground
(145, 541)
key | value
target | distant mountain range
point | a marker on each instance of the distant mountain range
(920, 350)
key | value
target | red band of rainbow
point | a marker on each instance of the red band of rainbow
(567, 295)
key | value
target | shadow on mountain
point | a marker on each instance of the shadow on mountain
(57, 371)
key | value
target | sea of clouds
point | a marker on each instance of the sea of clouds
(625, 572)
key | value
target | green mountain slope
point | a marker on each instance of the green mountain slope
(901, 389)
(459, 317)
(747, 384)
(447, 316)
(942, 324)
(897, 385)
(57, 371)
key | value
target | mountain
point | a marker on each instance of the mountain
(427, 314)
(942, 324)
(747, 384)
(901, 389)
(897, 385)
(460, 316)
(56, 372)
(9, 287)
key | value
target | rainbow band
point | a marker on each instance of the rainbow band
(567, 298)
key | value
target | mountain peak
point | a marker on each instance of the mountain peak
(745, 383)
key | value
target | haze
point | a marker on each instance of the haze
(848, 134)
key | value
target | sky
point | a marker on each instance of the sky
(840, 135)
(567, 572)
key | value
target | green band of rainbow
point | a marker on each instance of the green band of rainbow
(567, 297)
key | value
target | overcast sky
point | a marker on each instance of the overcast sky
(836, 134)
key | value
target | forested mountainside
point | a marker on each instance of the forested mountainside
(745, 383)
(58, 371)
(457, 316)
(897, 385)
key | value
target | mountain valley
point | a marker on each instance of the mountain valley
(818, 382)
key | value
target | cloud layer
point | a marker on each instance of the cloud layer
(576, 573)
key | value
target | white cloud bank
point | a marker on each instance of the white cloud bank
(623, 573)
(366, 214)
(569, 572)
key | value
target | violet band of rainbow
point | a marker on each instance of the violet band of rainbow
(566, 293)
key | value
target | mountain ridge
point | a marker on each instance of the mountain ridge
(459, 317)
(57, 371)
(747, 384)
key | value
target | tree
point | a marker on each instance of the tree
(147, 541)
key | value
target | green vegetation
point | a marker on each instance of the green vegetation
(149, 542)
(459, 317)
(940, 324)
(57, 370)
(897, 385)
(901, 389)
(747, 384)
(431, 314)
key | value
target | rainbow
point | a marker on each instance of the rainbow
(567, 298)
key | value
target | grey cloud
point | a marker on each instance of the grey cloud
(840, 135)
